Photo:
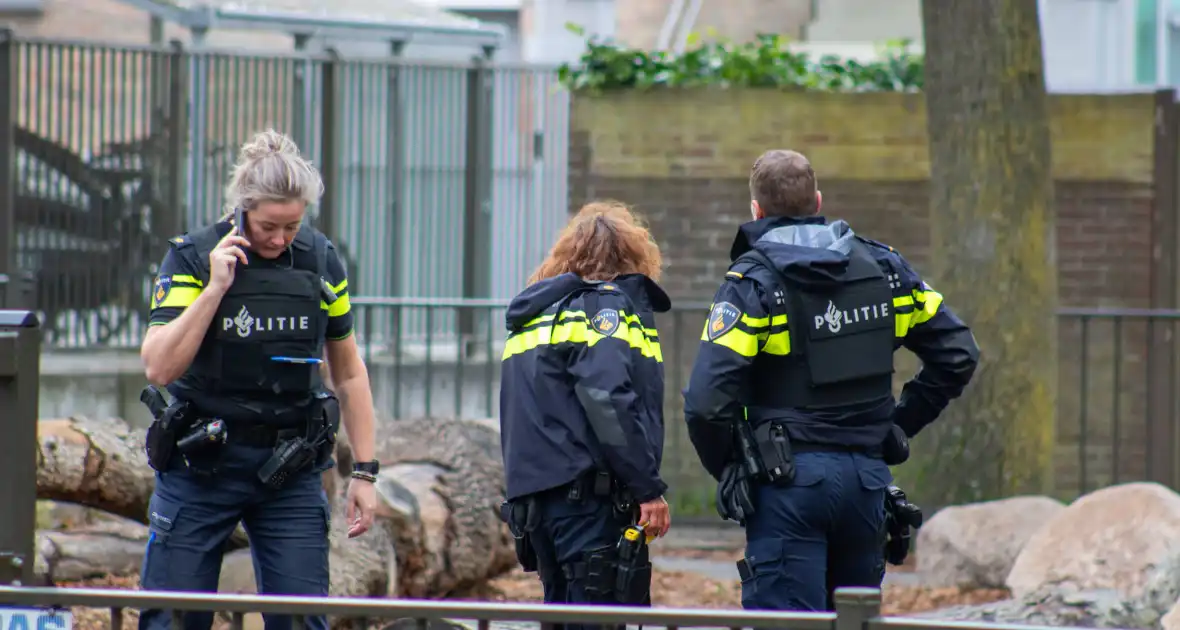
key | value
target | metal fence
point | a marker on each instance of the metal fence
(442, 180)
(1117, 409)
(855, 609)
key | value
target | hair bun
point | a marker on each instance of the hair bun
(266, 143)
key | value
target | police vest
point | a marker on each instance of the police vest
(842, 340)
(266, 313)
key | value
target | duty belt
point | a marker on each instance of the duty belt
(261, 435)
(813, 447)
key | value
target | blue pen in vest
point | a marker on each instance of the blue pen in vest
(297, 360)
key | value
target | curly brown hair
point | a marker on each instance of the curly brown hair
(602, 241)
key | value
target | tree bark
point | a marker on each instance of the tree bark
(437, 531)
(441, 485)
(89, 552)
(96, 463)
(992, 255)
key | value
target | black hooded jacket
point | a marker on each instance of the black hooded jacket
(737, 364)
(582, 385)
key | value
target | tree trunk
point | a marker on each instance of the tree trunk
(96, 463)
(90, 552)
(992, 227)
(442, 484)
(437, 531)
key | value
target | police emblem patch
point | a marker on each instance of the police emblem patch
(722, 319)
(163, 286)
(605, 321)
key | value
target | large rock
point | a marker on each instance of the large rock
(975, 545)
(1171, 621)
(1051, 607)
(1123, 538)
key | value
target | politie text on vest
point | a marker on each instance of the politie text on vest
(836, 319)
(245, 323)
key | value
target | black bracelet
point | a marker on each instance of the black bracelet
(364, 476)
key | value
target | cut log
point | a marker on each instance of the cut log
(440, 486)
(438, 532)
(104, 549)
(96, 463)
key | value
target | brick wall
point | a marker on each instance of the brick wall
(683, 159)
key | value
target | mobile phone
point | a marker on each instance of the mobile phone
(239, 221)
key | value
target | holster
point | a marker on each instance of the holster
(163, 432)
(325, 415)
(522, 517)
(314, 447)
(901, 518)
(632, 573)
(597, 570)
(614, 574)
(774, 449)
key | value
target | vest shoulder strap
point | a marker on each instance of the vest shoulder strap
(760, 259)
(203, 241)
(309, 238)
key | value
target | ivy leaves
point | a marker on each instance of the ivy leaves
(766, 62)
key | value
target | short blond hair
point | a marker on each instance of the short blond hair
(270, 168)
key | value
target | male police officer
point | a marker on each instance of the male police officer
(802, 334)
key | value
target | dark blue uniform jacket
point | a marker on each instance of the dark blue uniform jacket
(582, 385)
(733, 376)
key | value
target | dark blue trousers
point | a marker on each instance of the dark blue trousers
(568, 529)
(824, 531)
(191, 518)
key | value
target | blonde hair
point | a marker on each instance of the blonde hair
(270, 168)
(603, 241)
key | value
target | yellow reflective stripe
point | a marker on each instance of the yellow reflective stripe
(178, 297)
(739, 341)
(747, 343)
(925, 306)
(930, 301)
(901, 321)
(778, 343)
(338, 308)
(338, 289)
(573, 328)
(187, 279)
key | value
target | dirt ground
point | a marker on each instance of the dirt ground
(669, 588)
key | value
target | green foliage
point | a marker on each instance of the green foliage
(767, 62)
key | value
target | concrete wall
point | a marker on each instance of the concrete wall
(683, 160)
(108, 384)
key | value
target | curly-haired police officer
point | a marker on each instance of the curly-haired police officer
(799, 344)
(581, 410)
(241, 314)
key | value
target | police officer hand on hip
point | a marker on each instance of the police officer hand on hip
(581, 412)
(242, 312)
(790, 402)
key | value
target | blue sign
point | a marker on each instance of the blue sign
(35, 619)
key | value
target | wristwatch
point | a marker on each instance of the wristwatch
(366, 471)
